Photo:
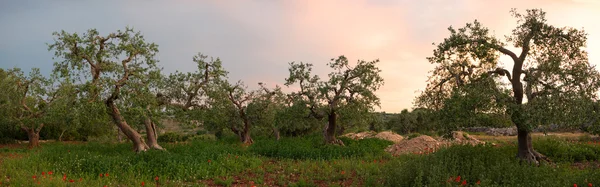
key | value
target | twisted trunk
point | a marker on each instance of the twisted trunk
(330, 131)
(151, 134)
(246, 139)
(525, 147)
(134, 136)
(33, 135)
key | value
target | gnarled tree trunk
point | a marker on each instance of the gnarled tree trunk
(246, 139)
(33, 135)
(151, 134)
(526, 151)
(330, 131)
(134, 136)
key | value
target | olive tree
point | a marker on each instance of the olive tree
(109, 68)
(549, 83)
(188, 91)
(27, 99)
(347, 87)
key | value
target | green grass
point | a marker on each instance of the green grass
(293, 162)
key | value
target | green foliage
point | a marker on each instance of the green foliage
(348, 89)
(171, 137)
(561, 151)
(312, 147)
(490, 165)
(196, 160)
(552, 73)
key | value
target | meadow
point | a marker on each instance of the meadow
(297, 161)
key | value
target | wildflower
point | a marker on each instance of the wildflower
(142, 183)
(589, 184)
(574, 185)
(464, 183)
(64, 177)
(43, 173)
(156, 178)
(71, 181)
(478, 182)
(457, 179)
(101, 174)
(80, 179)
(50, 173)
(343, 172)
(106, 174)
(34, 177)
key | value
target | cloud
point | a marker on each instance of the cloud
(257, 39)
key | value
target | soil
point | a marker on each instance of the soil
(360, 135)
(385, 135)
(390, 136)
(420, 145)
(425, 144)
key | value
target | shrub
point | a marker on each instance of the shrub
(490, 165)
(312, 147)
(171, 137)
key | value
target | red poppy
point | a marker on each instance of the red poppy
(71, 181)
(34, 177)
(156, 178)
(43, 173)
(464, 183)
(457, 179)
(574, 185)
(50, 173)
(64, 177)
(101, 174)
(106, 174)
(80, 179)
(590, 184)
(208, 161)
(343, 172)
(142, 183)
(478, 182)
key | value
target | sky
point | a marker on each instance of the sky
(256, 39)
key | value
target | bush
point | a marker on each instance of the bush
(171, 137)
(563, 151)
(312, 147)
(490, 165)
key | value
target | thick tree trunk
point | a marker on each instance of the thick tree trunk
(526, 151)
(134, 136)
(34, 138)
(151, 134)
(330, 131)
(33, 135)
(246, 139)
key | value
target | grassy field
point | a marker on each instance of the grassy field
(296, 162)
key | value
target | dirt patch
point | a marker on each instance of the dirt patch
(385, 135)
(420, 145)
(425, 144)
(390, 136)
(459, 137)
